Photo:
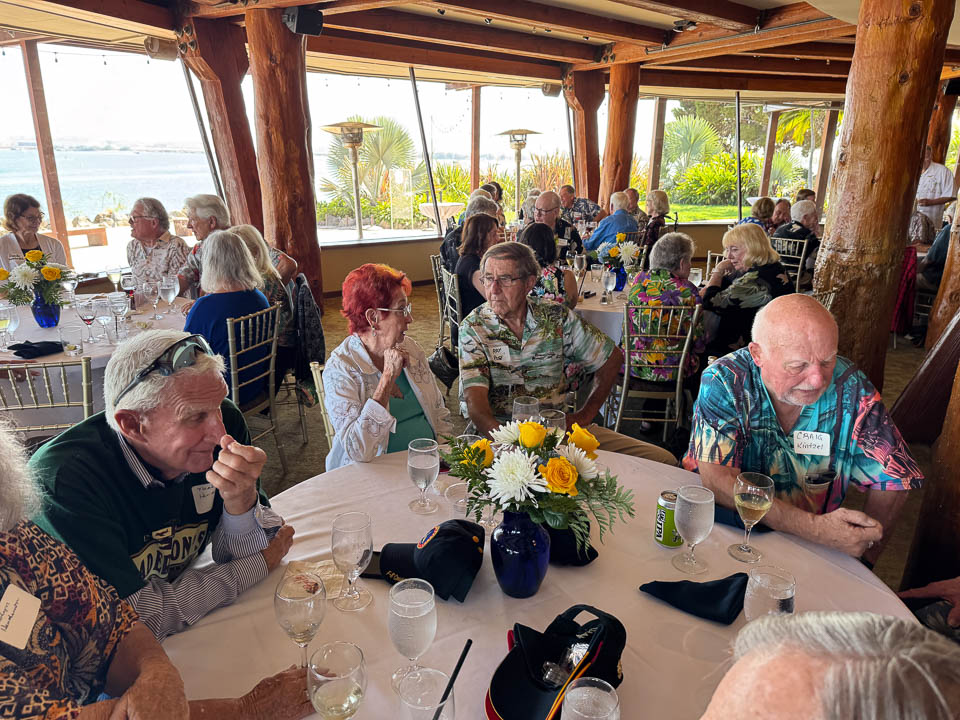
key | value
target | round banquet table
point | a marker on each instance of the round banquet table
(607, 318)
(672, 662)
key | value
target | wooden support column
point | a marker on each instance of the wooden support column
(947, 302)
(826, 157)
(770, 148)
(656, 144)
(938, 136)
(935, 552)
(475, 137)
(893, 80)
(48, 160)
(219, 60)
(621, 127)
(284, 155)
(584, 93)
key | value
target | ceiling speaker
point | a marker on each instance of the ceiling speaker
(303, 19)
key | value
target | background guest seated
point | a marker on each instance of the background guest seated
(620, 221)
(152, 251)
(22, 217)
(450, 247)
(571, 206)
(380, 392)
(749, 278)
(634, 209)
(804, 225)
(658, 205)
(761, 214)
(553, 283)
(480, 233)
(231, 285)
(781, 212)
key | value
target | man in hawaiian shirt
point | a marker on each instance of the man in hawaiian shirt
(572, 205)
(788, 406)
(517, 345)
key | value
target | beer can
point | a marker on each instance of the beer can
(665, 529)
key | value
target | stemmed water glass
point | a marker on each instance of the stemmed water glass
(119, 305)
(694, 520)
(169, 289)
(352, 544)
(609, 281)
(580, 265)
(300, 602)
(412, 623)
(151, 293)
(128, 283)
(525, 408)
(753, 496)
(5, 312)
(69, 285)
(85, 311)
(103, 313)
(14, 324)
(553, 418)
(423, 464)
(337, 680)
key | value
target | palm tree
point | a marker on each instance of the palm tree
(687, 141)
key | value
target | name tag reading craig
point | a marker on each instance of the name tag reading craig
(203, 496)
(18, 614)
(806, 442)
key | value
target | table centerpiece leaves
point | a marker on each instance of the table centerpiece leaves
(34, 279)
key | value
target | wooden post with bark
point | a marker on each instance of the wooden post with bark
(935, 552)
(621, 127)
(584, 92)
(770, 148)
(656, 145)
(893, 79)
(285, 162)
(219, 59)
(938, 136)
(475, 138)
(826, 157)
(48, 159)
(947, 302)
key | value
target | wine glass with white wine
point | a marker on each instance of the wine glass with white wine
(300, 602)
(412, 623)
(114, 274)
(337, 680)
(753, 495)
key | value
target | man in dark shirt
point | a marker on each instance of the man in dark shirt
(805, 224)
(930, 268)
(547, 211)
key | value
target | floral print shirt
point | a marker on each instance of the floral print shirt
(80, 624)
(661, 287)
(556, 343)
(550, 285)
(587, 208)
(735, 424)
(166, 257)
(737, 302)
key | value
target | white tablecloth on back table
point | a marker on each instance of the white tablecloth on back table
(672, 663)
(607, 318)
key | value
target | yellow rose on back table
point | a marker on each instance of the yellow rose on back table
(584, 440)
(614, 251)
(484, 445)
(4, 274)
(532, 434)
(33, 255)
(50, 273)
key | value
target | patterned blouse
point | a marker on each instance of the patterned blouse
(80, 623)
(166, 257)
(737, 303)
(550, 285)
(651, 232)
(661, 287)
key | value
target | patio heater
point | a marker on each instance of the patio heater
(518, 141)
(351, 135)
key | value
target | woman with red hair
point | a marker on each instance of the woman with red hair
(380, 392)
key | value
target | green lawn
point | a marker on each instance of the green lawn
(692, 213)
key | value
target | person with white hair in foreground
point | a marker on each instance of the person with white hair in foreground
(140, 489)
(789, 407)
(81, 639)
(838, 666)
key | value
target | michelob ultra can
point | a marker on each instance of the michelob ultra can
(665, 529)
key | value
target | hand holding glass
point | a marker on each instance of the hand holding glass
(300, 602)
(423, 464)
(337, 680)
(753, 495)
(352, 545)
(694, 519)
(412, 623)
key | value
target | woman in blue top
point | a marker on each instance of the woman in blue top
(231, 286)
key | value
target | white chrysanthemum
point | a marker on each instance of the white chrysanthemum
(507, 434)
(24, 276)
(514, 478)
(630, 252)
(586, 468)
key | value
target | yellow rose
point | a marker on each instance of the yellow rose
(621, 237)
(49, 273)
(532, 434)
(4, 274)
(614, 251)
(484, 445)
(33, 255)
(561, 476)
(584, 440)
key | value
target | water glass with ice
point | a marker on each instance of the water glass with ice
(411, 622)
(421, 693)
(71, 337)
(589, 698)
(423, 464)
(770, 591)
(169, 289)
(694, 520)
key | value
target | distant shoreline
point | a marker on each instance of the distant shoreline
(95, 148)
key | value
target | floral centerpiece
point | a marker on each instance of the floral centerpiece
(542, 477)
(622, 256)
(38, 283)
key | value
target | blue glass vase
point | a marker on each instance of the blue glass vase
(621, 279)
(520, 550)
(46, 315)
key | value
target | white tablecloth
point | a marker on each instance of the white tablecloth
(672, 663)
(608, 318)
(447, 210)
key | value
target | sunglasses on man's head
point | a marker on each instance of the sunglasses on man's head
(182, 354)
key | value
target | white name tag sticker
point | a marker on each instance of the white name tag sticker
(18, 613)
(499, 353)
(203, 496)
(806, 442)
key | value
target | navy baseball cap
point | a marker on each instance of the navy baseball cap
(448, 557)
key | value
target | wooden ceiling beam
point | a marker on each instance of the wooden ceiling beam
(393, 23)
(808, 51)
(722, 13)
(766, 66)
(147, 15)
(228, 8)
(658, 77)
(360, 46)
(545, 16)
(14, 37)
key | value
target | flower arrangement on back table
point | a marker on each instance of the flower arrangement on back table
(532, 472)
(622, 253)
(34, 279)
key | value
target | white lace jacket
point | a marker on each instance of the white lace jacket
(363, 425)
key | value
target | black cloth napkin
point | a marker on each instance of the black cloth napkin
(564, 550)
(728, 516)
(717, 600)
(30, 350)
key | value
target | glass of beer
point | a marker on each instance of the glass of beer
(753, 495)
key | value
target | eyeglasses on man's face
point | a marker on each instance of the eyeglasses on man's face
(134, 218)
(38, 218)
(545, 211)
(406, 310)
(501, 280)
